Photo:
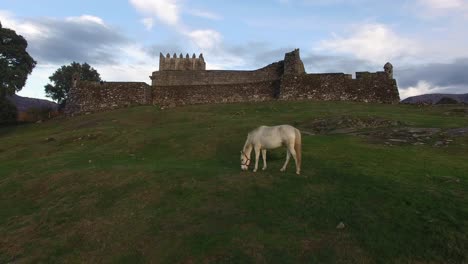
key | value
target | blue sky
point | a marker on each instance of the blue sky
(425, 40)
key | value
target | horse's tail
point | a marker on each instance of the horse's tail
(298, 147)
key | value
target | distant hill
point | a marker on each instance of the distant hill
(23, 104)
(434, 98)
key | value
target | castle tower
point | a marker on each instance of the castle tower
(293, 64)
(388, 68)
(161, 60)
(181, 63)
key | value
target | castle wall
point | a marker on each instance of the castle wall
(374, 87)
(367, 87)
(173, 88)
(170, 96)
(96, 96)
(185, 78)
(178, 83)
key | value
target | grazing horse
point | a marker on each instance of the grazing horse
(266, 137)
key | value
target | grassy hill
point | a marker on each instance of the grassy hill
(165, 186)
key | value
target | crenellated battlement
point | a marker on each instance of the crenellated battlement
(174, 63)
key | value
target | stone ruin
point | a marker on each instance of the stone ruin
(184, 81)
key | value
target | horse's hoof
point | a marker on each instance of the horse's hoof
(282, 170)
(298, 172)
(264, 169)
(254, 170)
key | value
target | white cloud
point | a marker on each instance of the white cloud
(6, 18)
(375, 43)
(435, 8)
(205, 39)
(86, 19)
(51, 41)
(168, 11)
(83, 38)
(35, 83)
(134, 54)
(27, 29)
(443, 4)
(126, 72)
(422, 87)
(148, 22)
(210, 42)
(135, 65)
(205, 14)
(223, 61)
(137, 68)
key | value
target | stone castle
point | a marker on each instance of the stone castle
(185, 81)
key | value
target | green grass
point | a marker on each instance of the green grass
(143, 185)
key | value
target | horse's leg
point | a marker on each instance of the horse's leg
(288, 155)
(257, 157)
(264, 159)
(293, 153)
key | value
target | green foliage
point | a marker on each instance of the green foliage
(8, 112)
(15, 62)
(62, 80)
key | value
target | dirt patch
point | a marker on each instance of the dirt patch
(12, 243)
(415, 136)
(242, 180)
(457, 132)
(383, 131)
(147, 197)
(90, 136)
(86, 123)
(77, 139)
(457, 112)
(344, 248)
(346, 124)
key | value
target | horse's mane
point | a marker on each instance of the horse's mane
(249, 140)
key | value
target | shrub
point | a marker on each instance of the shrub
(8, 112)
(447, 100)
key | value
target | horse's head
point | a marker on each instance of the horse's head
(245, 161)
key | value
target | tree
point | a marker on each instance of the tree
(15, 62)
(447, 100)
(62, 80)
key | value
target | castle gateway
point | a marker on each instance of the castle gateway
(184, 81)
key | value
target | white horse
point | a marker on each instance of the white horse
(265, 137)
